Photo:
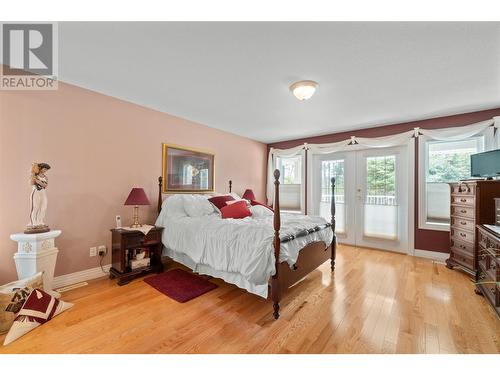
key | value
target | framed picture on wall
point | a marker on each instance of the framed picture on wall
(187, 170)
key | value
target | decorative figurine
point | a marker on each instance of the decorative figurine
(38, 199)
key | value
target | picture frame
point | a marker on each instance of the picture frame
(187, 170)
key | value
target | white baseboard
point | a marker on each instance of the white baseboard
(78, 277)
(435, 255)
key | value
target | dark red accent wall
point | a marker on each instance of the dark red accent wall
(424, 239)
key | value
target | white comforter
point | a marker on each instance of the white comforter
(243, 246)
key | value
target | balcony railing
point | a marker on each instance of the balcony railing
(377, 200)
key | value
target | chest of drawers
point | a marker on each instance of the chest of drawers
(488, 275)
(472, 203)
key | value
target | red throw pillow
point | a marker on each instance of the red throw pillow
(238, 210)
(221, 200)
(255, 203)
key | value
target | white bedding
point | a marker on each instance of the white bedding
(240, 249)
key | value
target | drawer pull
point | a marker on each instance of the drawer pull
(462, 247)
(463, 235)
(461, 189)
(463, 200)
(463, 222)
(463, 211)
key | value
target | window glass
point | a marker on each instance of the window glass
(290, 170)
(381, 180)
(450, 161)
(291, 182)
(381, 212)
(446, 161)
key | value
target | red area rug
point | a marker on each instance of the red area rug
(180, 285)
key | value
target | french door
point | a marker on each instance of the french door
(371, 196)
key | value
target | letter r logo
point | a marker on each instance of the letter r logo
(27, 49)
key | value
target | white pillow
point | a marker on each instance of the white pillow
(260, 211)
(173, 206)
(247, 202)
(197, 205)
(235, 196)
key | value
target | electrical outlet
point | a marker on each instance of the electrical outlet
(101, 250)
(93, 251)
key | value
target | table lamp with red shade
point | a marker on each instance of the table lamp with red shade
(136, 198)
(248, 195)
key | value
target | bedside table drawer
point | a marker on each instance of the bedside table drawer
(138, 239)
(153, 236)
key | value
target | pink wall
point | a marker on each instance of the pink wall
(99, 148)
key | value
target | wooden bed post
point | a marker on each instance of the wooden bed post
(160, 181)
(230, 186)
(332, 211)
(275, 286)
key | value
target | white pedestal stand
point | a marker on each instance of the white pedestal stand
(36, 252)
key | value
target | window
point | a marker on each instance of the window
(443, 162)
(291, 182)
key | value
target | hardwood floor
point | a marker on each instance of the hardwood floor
(375, 302)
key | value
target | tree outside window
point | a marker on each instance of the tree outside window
(290, 170)
(450, 161)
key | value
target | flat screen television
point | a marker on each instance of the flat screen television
(485, 164)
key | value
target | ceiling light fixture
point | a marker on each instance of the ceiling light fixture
(303, 90)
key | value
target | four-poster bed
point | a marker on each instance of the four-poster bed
(310, 256)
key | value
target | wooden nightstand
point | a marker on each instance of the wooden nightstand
(125, 243)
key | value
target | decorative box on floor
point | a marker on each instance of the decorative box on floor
(36, 252)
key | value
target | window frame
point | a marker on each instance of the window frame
(423, 165)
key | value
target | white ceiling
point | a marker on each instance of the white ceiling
(235, 76)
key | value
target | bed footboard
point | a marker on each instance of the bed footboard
(310, 257)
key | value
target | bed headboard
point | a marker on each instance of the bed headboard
(160, 200)
(276, 208)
